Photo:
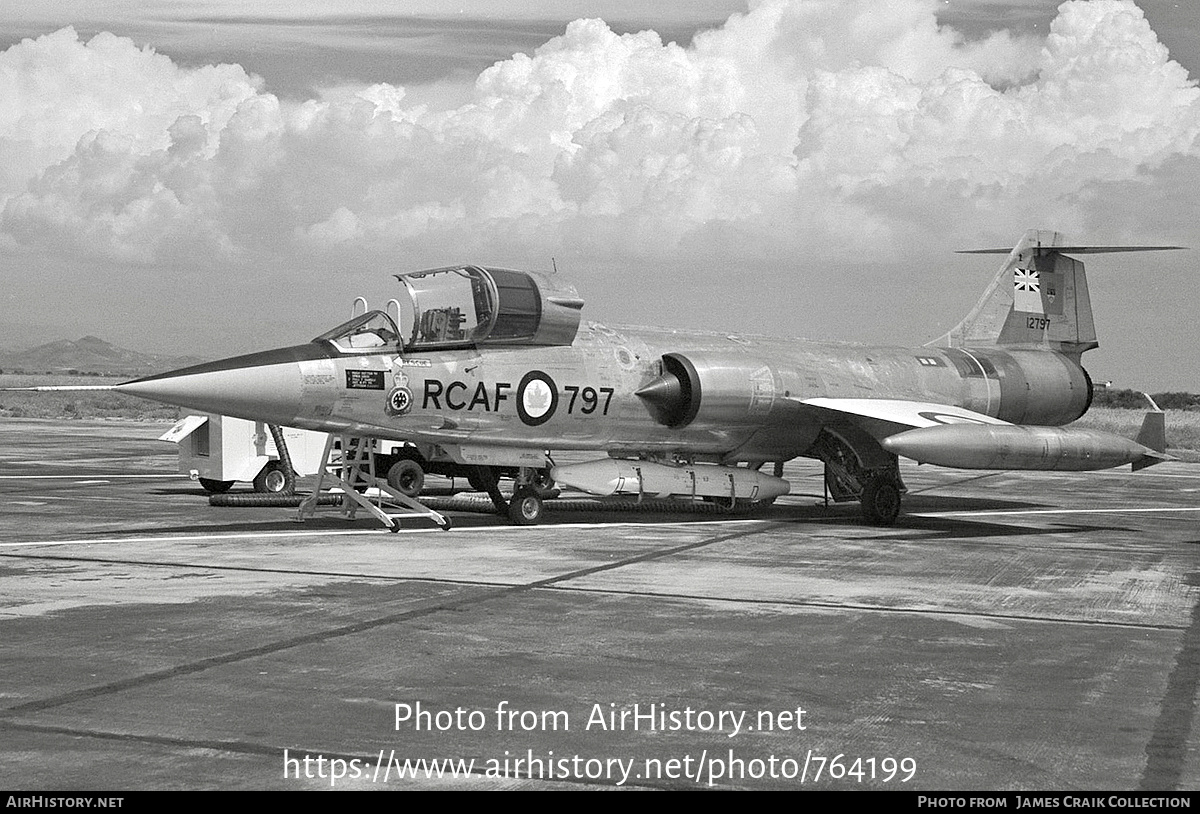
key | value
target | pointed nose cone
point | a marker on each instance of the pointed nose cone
(260, 386)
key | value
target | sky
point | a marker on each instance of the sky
(211, 178)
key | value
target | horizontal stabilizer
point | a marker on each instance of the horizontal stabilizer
(1081, 249)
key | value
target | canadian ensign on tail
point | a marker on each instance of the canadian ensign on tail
(1027, 292)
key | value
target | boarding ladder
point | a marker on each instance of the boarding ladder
(350, 467)
(350, 463)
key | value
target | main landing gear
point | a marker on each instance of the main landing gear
(881, 498)
(857, 468)
(525, 507)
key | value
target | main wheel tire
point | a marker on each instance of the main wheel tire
(525, 507)
(407, 477)
(215, 487)
(275, 479)
(881, 501)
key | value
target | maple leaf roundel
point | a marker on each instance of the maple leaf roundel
(537, 398)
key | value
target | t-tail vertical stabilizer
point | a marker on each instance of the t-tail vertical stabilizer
(1038, 299)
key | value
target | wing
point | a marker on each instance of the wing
(883, 417)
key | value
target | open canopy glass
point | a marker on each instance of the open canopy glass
(469, 305)
(462, 306)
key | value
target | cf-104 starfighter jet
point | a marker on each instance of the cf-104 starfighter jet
(490, 372)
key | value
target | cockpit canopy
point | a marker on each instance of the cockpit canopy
(460, 306)
(477, 305)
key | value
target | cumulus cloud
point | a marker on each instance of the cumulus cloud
(798, 127)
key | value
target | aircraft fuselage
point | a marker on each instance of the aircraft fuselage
(741, 398)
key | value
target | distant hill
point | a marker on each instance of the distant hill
(90, 356)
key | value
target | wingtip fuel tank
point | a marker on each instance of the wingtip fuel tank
(991, 446)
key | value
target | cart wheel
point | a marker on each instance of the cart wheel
(407, 477)
(446, 524)
(395, 527)
(215, 487)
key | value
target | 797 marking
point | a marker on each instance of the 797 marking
(589, 399)
(1038, 323)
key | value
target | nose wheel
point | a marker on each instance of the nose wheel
(275, 479)
(525, 507)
